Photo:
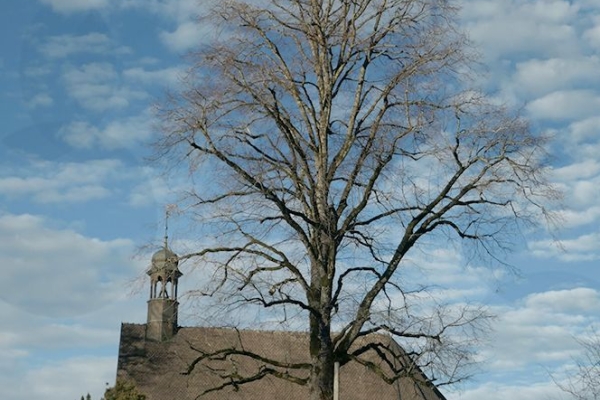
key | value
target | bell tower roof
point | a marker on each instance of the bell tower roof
(164, 260)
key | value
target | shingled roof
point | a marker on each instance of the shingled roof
(159, 369)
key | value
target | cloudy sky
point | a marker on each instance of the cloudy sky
(79, 201)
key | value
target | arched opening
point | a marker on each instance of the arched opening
(163, 288)
(153, 287)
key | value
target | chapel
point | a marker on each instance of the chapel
(168, 362)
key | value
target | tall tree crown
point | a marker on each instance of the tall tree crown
(339, 134)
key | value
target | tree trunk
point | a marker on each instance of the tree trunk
(321, 354)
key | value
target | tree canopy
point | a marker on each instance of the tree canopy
(122, 390)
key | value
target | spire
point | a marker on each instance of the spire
(169, 209)
(167, 212)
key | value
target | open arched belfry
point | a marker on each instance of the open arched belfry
(162, 305)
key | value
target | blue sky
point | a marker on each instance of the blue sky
(79, 203)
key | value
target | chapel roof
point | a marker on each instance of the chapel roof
(158, 368)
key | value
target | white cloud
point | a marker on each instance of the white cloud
(583, 248)
(66, 45)
(56, 358)
(532, 338)
(27, 333)
(122, 133)
(583, 150)
(580, 183)
(72, 6)
(592, 35)
(63, 294)
(177, 10)
(187, 36)
(577, 300)
(156, 190)
(58, 271)
(584, 193)
(584, 130)
(95, 86)
(86, 371)
(540, 329)
(157, 186)
(538, 77)
(168, 77)
(80, 135)
(578, 170)
(188, 32)
(47, 182)
(67, 379)
(542, 28)
(453, 270)
(503, 391)
(37, 71)
(59, 335)
(40, 100)
(565, 105)
(571, 218)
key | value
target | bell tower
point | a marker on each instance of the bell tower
(162, 305)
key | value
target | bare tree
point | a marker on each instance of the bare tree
(584, 382)
(331, 138)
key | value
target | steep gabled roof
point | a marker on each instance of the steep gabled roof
(159, 369)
